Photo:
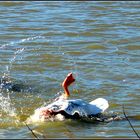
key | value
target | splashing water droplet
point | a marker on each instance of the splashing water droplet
(21, 41)
(6, 105)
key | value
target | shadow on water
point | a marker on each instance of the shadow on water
(7, 83)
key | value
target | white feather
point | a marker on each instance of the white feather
(80, 106)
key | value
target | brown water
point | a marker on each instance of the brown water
(41, 42)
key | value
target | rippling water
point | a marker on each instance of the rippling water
(40, 42)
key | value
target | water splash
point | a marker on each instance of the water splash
(18, 50)
(12, 60)
(6, 105)
(9, 114)
(20, 41)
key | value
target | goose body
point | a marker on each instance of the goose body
(63, 108)
(79, 106)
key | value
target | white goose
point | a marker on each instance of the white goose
(63, 108)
